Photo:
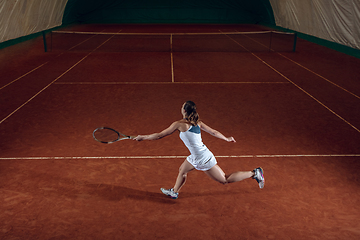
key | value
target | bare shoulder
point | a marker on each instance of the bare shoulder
(183, 125)
(177, 125)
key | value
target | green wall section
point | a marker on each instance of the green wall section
(335, 46)
(169, 11)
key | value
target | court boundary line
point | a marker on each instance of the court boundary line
(172, 59)
(51, 83)
(320, 76)
(300, 88)
(47, 86)
(129, 83)
(311, 96)
(33, 70)
(173, 33)
(307, 69)
(39, 66)
(6, 85)
(176, 157)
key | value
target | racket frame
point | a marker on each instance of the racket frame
(120, 135)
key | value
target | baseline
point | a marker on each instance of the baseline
(144, 83)
(172, 157)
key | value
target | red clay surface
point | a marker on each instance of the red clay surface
(297, 115)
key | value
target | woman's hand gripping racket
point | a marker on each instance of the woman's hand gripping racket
(108, 135)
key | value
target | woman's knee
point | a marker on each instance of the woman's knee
(217, 174)
(223, 181)
(182, 172)
(185, 168)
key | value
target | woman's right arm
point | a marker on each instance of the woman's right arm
(155, 136)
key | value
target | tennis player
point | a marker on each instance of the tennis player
(201, 158)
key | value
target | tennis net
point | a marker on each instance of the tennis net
(173, 42)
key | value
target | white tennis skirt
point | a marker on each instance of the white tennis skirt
(203, 164)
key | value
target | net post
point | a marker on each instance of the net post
(271, 33)
(295, 40)
(44, 39)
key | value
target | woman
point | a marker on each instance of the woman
(201, 158)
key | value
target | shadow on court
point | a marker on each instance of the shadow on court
(117, 193)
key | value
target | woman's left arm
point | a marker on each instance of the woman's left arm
(215, 133)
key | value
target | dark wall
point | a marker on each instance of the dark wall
(169, 11)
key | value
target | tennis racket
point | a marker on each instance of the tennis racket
(108, 135)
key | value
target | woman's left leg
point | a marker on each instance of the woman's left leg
(181, 178)
(218, 174)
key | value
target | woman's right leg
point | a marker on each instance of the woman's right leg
(181, 178)
(218, 174)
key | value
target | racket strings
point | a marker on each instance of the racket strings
(106, 135)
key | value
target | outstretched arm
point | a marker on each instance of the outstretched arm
(215, 133)
(155, 136)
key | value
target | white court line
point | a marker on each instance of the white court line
(41, 65)
(165, 34)
(320, 76)
(172, 59)
(129, 83)
(311, 96)
(23, 76)
(175, 157)
(300, 88)
(47, 86)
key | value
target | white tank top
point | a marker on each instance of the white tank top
(193, 141)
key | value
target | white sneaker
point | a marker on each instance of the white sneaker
(170, 192)
(259, 176)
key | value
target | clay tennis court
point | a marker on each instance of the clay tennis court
(295, 114)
